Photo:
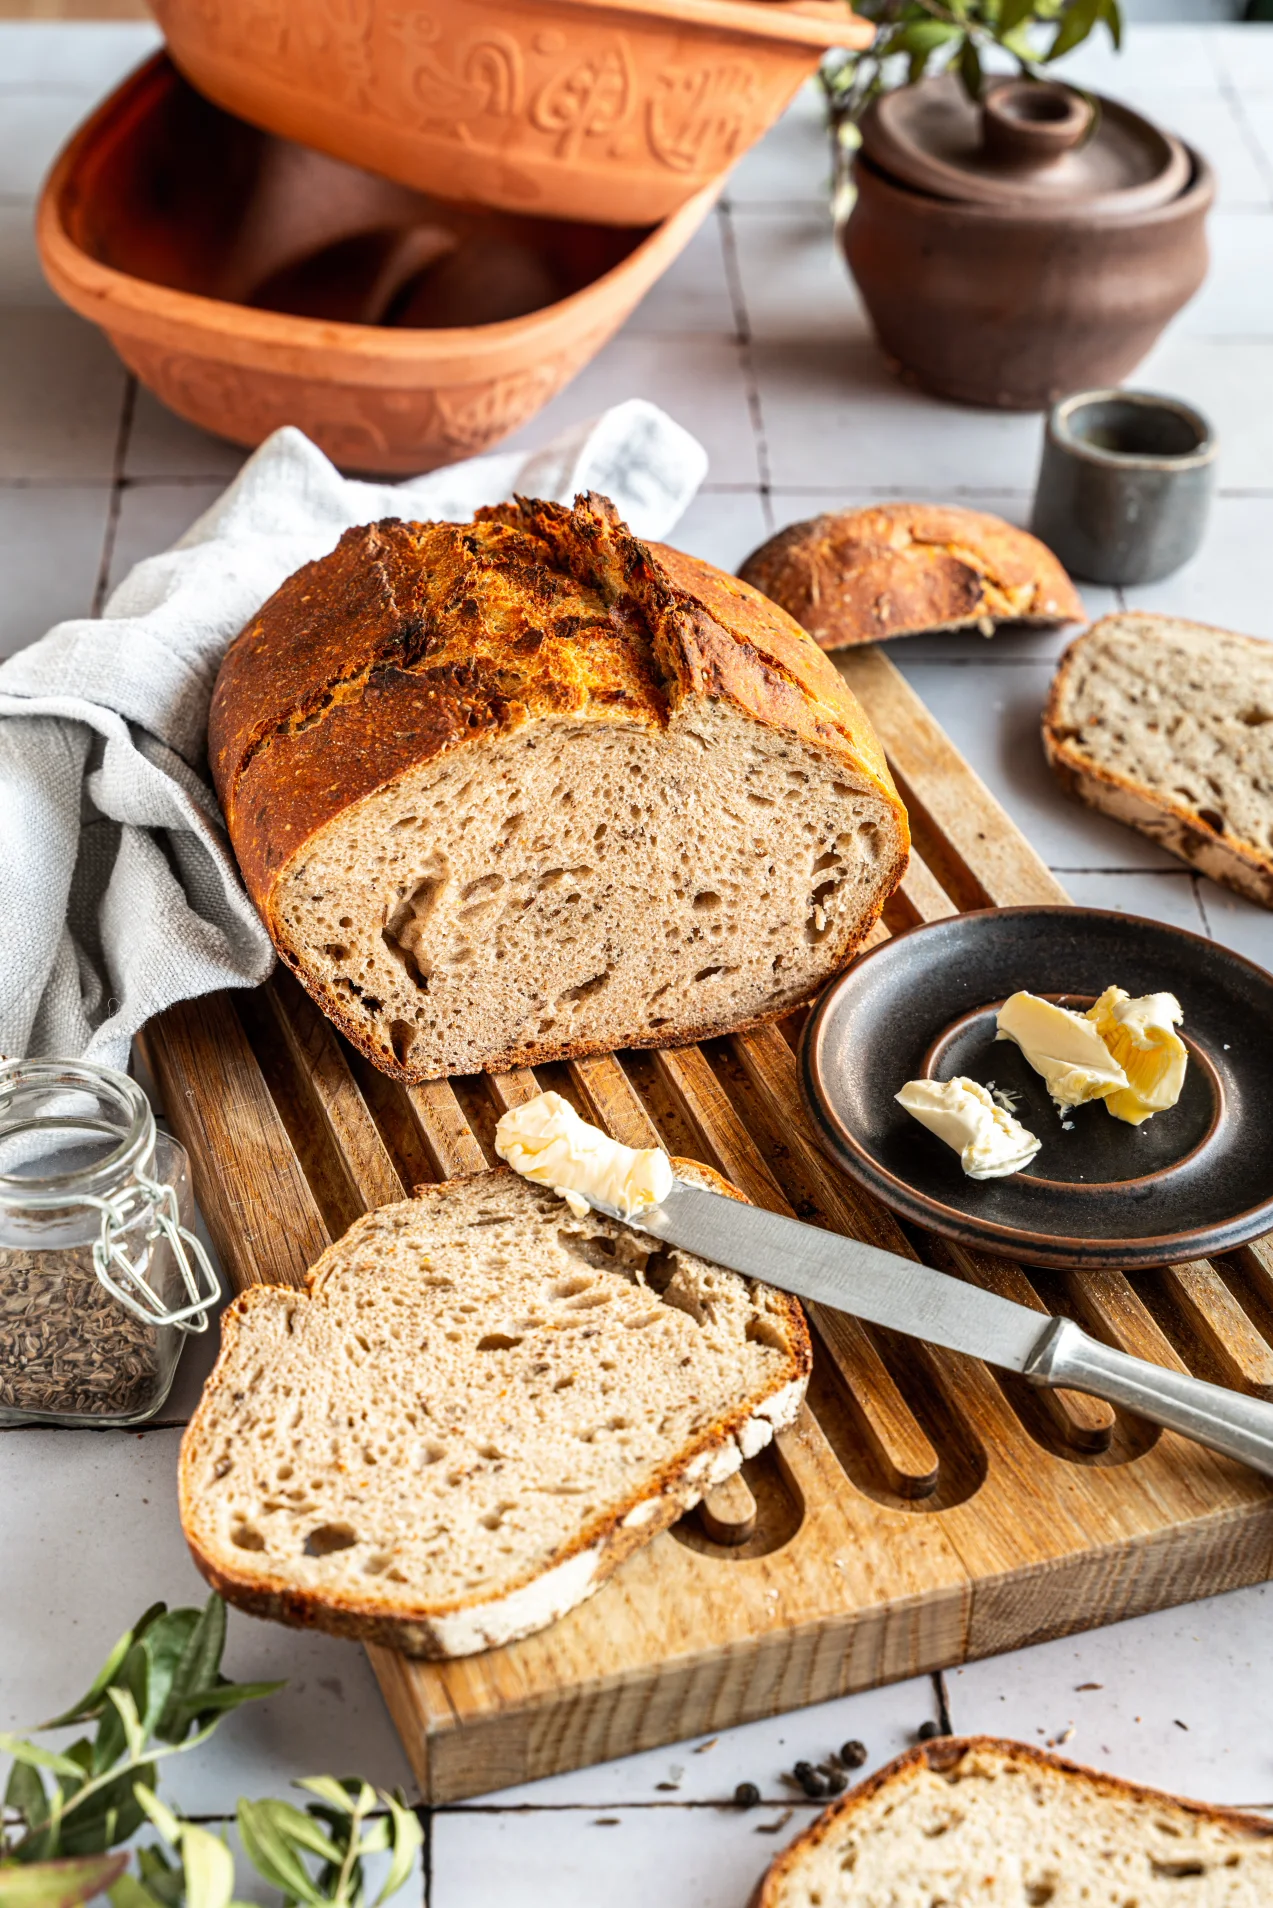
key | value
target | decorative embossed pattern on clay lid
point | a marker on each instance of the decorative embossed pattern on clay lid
(250, 283)
(611, 110)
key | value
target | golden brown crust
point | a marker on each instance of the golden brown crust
(943, 1756)
(1174, 825)
(410, 641)
(609, 1535)
(861, 576)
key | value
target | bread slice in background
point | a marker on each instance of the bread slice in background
(973, 1820)
(479, 1407)
(526, 788)
(896, 569)
(1168, 726)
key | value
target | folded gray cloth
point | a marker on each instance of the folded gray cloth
(116, 879)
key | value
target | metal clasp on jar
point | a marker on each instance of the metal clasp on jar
(125, 1278)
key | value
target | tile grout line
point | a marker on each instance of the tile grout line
(1237, 110)
(943, 1702)
(742, 333)
(127, 406)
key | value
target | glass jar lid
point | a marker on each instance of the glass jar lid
(1029, 143)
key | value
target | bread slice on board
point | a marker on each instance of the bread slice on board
(527, 788)
(975, 1820)
(1168, 726)
(478, 1408)
(860, 576)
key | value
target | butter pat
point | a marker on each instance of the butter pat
(1066, 1048)
(989, 1141)
(1141, 1035)
(545, 1140)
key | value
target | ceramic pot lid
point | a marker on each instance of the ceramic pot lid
(1029, 143)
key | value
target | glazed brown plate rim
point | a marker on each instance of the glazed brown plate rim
(1051, 1249)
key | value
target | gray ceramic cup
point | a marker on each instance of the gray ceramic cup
(1125, 485)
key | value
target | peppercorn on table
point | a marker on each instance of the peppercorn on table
(756, 342)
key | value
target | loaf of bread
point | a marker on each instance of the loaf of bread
(478, 1408)
(962, 1821)
(1168, 726)
(527, 788)
(859, 576)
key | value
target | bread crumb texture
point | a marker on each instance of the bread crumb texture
(997, 1823)
(527, 788)
(479, 1407)
(1169, 725)
(861, 576)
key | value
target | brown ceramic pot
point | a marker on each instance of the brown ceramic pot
(1013, 304)
(610, 110)
(251, 283)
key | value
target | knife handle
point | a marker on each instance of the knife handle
(1228, 1421)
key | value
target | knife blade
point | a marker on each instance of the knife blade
(881, 1287)
(886, 1289)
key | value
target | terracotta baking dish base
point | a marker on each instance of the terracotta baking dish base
(165, 218)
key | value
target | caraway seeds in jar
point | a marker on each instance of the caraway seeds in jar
(100, 1275)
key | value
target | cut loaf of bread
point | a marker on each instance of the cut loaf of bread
(478, 1408)
(1168, 726)
(527, 788)
(978, 1820)
(860, 576)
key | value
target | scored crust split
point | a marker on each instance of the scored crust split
(476, 1410)
(861, 576)
(977, 1819)
(1167, 725)
(527, 789)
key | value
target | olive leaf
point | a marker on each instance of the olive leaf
(406, 1841)
(160, 1692)
(61, 1884)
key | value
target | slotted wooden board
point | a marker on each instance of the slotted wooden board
(923, 1511)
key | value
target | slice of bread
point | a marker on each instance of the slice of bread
(527, 788)
(976, 1820)
(1168, 726)
(860, 576)
(478, 1408)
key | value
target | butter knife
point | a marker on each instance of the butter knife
(886, 1289)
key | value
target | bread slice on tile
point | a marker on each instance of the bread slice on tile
(1168, 726)
(978, 1820)
(896, 569)
(526, 788)
(476, 1410)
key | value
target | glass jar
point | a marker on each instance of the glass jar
(100, 1275)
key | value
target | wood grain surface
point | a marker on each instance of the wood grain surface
(924, 1510)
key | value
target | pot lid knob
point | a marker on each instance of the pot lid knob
(1029, 123)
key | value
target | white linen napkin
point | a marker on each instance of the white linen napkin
(118, 890)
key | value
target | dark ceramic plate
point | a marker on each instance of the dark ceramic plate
(1194, 1180)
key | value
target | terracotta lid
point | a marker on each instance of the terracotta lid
(1031, 143)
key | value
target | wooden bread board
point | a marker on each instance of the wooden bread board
(922, 1512)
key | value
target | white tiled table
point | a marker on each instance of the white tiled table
(756, 341)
